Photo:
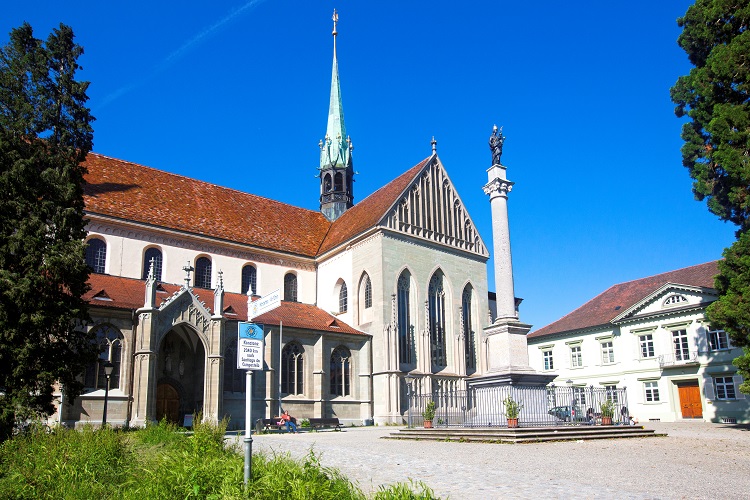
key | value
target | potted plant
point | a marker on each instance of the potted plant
(608, 411)
(428, 414)
(512, 409)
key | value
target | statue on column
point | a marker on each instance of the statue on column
(496, 144)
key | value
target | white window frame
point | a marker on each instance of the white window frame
(724, 388)
(720, 337)
(681, 348)
(548, 359)
(608, 352)
(576, 356)
(651, 391)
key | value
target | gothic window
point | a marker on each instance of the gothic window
(436, 306)
(368, 292)
(327, 183)
(405, 328)
(155, 255)
(203, 272)
(96, 255)
(234, 378)
(109, 340)
(338, 182)
(249, 279)
(290, 287)
(292, 369)
(340, 372)
(469, 335)
(343, 296)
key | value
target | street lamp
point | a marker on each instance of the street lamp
(409, 379)
(108, 367)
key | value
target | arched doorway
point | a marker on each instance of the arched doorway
(167, 403)
(180, 372)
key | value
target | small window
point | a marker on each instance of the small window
(327, 183)
(673, 300)
(724, 388)
(343, 296)
(652, 391)
(549, 363)
(96, 255)
(718, 340)
(290, 287)
(576, 358)
(249, 279)
(203, 272)
(155, 255)
(647, 345)
(608, 353)
(368, 293)
(338, 182)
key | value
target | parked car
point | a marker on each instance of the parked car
(564, 413)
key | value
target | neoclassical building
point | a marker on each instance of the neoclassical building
(651, 336)
(393, 284)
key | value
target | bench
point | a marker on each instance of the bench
(268, 424)
(316, 423)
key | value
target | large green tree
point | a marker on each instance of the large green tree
(715, 96)
(45, 134)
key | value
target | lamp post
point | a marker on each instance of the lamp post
(108, 367)
(409, 379)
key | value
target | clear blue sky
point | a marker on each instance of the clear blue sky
(236, 93)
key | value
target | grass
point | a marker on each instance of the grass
(161, 462)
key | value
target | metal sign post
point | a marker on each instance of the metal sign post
(249, 357)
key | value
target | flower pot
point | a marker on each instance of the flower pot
(428, 424)
(512, 422)
(606, 420)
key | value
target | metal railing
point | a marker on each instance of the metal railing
(540, 406)
(678, 359)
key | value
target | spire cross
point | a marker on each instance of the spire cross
(188, 269)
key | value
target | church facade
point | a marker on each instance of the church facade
(394, 284)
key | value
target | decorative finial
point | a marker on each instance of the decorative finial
(188, 269)
(221, 279)
(150, 276)
(335, 20)
(434, 144)
(349, 143)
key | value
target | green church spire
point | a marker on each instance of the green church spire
(336, 171)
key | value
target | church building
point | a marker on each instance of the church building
(373, 290)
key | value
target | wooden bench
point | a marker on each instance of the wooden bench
(316, 423)
(268, 424)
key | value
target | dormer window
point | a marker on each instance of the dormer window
(674, 300)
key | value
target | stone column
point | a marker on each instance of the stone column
(144, 372)
(498, 187)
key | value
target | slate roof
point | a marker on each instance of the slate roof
(606, 306)
(128, 293)
(128, 191)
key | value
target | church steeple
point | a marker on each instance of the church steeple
(336, 171)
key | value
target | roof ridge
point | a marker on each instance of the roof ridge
(664, 273)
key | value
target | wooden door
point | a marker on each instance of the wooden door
(690, 401)
(167, 403)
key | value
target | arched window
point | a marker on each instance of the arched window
(340, 372)
(203, 272)
(109, 340)
(338, 182)
(469, 340)
(327, 183)
(368, 292)
(292, 369)
(405, 327)
(343, 298)
(436, 305)
(249, 279)
(675, 299)
(234, 378)
(155, 255)
(290, 287)
(96, 255)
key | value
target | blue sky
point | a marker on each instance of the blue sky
(236, 93)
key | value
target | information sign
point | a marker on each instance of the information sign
(264, 304)
(250, 340)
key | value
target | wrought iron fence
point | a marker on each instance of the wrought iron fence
(539, 406)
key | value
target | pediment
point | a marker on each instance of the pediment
(667, 298)
(430, 208)
(184, 306)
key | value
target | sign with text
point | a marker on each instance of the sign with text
(264, 304)
(250, 341)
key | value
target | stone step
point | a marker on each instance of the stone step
(525, 435)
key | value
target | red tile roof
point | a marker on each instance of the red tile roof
(128, 293)
(368, 212)
(133, 192)
(606, 306)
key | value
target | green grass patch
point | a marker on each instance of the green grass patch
(161, 462)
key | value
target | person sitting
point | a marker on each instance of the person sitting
(289, 421)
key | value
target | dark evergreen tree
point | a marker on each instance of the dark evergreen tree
(715, 98)
(45, 134)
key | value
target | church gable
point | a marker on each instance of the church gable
(430, 208)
